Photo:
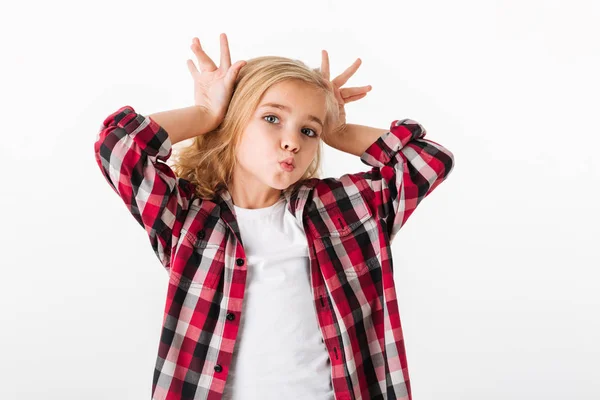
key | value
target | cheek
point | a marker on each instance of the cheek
(260, 133)
(312, 150)
(254, 148)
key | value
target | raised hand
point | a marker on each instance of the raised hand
(343, 95)
(213, 87)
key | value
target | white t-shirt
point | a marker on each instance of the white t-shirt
(279, 351)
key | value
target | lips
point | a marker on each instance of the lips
(289, 160)
(286, 166)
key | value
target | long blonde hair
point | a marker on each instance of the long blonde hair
(209, 161)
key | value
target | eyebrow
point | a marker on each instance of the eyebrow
(286, 108)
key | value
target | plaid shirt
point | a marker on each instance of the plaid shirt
(349, 222)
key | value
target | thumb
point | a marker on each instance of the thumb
(233, 71)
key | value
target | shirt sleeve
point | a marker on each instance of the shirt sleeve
(406, 169)
(131, 151)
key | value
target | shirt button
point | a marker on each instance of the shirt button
(201, 234)
(240, 261)
(218, 368)
(230, 316)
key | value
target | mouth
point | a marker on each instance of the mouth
(286, 166)
(289, 160)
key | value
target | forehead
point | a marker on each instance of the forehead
(297, 96)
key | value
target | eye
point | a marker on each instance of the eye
(267, 116)
(314, 133)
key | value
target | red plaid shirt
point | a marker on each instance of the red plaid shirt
(349, 222)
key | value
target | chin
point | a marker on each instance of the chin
(282, 184)
(282, 180)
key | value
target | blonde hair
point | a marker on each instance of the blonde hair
(209, 161)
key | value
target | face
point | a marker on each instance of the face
(287, 123)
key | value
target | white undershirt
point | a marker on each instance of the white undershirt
(279, 351)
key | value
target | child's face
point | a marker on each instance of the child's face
(274, 134)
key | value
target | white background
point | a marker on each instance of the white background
(496, 272)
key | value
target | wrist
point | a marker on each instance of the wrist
(335, 136)
(207, 121)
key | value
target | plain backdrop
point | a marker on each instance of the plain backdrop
(496, 271)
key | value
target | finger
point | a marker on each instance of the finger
(325, 64)
(234, 71)
(204, 61)
(225, 56)
(342, 78)
(354, 98)
(192, 68)
(353, 91)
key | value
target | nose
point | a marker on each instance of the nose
(290, 142)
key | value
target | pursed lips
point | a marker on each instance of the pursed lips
(289, 160)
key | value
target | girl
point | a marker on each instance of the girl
(280, 283)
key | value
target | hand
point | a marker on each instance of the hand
(213, 87)
(343, 95)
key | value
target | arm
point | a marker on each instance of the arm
(406, 167)
(185, 123)
(354, 139)
(131, 151)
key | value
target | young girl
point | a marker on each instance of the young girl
(281, 284)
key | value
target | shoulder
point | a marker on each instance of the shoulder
(344, 191)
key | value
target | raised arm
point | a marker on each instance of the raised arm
(131, 151)
(406, 167)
